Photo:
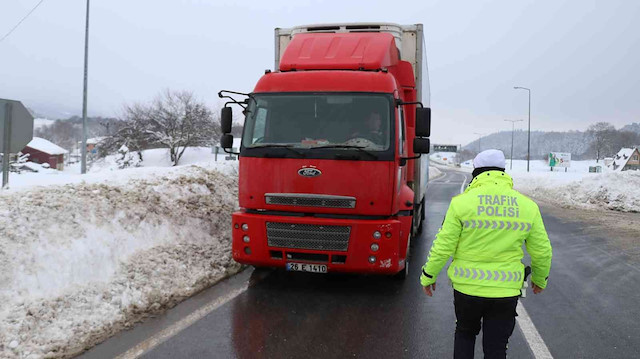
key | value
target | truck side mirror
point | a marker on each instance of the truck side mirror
(226, 141)
(421, 145)
(423, 122)
(225, 119)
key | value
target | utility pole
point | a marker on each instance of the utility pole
(83, 150)
(529, 131)
(6, 142)
(513, 129)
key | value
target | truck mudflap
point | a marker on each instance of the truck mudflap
(342, 245)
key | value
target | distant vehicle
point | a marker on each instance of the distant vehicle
(330, 176)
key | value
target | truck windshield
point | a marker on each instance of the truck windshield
(316, 121)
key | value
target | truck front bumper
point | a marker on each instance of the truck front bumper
(273, 241)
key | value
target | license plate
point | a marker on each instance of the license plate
(306, 267)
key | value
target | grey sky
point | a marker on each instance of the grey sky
(580, 58)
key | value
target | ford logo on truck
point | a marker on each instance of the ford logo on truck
(309, 172)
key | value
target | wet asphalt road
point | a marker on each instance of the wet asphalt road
(591, 308)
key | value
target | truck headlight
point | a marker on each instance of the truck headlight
(245, 227)
(245, 239)
(372, 259)
(377, 235)
(375, 247)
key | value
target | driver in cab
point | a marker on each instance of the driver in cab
(372, 130)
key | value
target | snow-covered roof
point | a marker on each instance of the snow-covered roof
(30, 166)
(620, 160)
(45, 146)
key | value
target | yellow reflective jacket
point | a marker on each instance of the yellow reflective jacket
(484, 230)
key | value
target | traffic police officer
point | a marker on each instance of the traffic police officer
(484, 230)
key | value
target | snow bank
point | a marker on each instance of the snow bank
(80, 262)
(434, 173)
(576, 188)
(610, 191)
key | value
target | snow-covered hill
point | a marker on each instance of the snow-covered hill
(542, 143)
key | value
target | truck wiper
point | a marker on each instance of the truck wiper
(359, 148)
(289, 147)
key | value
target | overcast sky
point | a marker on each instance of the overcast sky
(580, 58)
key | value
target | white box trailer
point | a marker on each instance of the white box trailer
(411, 45)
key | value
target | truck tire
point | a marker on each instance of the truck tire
(259, 273)
(422, 217)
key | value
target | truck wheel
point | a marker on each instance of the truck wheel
(422, 217)
(259, 273)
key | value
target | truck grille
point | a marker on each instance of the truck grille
(310, 200)
(308, 236)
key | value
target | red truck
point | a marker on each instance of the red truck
(330, 173)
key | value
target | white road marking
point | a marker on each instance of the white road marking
(463, 182)
(181, 325)
(537, 345)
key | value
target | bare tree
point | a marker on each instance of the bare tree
(130, 132)
(174, 120)
(177, 120)
(62, 133)
(236, 130)
(465, 155)
(602, 135)
(625, 139)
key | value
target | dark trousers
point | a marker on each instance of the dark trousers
(498, 316)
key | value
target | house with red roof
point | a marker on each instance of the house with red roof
(44, 151)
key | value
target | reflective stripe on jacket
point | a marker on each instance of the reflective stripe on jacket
(484, 230)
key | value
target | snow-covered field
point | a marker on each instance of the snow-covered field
(576, 188)
(82, 257)
(155, 161)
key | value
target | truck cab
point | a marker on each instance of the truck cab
(330, 173)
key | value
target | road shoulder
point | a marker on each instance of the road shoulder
(620, 229)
